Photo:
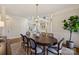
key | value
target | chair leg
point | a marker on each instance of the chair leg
(47, 52)
(25, 48)
(29, 50)
(31, 53)
(44, 50)
(22, 45)
(59, 52)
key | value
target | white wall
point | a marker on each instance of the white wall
(17, 25)
(57, 27)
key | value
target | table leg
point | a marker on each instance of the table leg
(45, 50)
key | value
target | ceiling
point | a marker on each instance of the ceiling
(30, 9)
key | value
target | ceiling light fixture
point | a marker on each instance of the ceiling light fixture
(37, 17)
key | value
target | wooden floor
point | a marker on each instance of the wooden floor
(17, 40)
(10, 42)
(77, 50)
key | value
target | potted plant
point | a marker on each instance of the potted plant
(71, 24)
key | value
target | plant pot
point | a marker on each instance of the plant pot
(70, 44)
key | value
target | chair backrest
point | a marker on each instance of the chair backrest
(50, 35)
(22, 37)
(43, 34)
(60, 43)
(36, 35)
(32, 43)
(28, 34)
(26, 39)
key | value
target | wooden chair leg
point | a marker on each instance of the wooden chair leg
(22, 45)
(25, 48)
(59, 52)
(47, 52)
(29, 50)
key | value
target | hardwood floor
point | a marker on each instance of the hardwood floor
(10, 42)
(77, 51)
(14, 47)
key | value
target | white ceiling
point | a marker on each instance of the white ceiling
(29, 9)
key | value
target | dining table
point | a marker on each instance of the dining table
(45, 41)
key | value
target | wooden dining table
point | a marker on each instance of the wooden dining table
(45, 42)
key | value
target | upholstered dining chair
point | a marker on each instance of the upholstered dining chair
(43, 34)
(28, 34)
(50, 35)
(36, 35)
(56, 49)
(25, 42)
(35, 49)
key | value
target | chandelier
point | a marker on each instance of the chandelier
(39, 23)
(36, 15)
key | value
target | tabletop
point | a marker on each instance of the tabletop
(45, 40)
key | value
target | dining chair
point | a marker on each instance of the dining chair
(50, 35)
(35, 49)
(28, 34)
(25, 42)
(43, 34)
(56, 49)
